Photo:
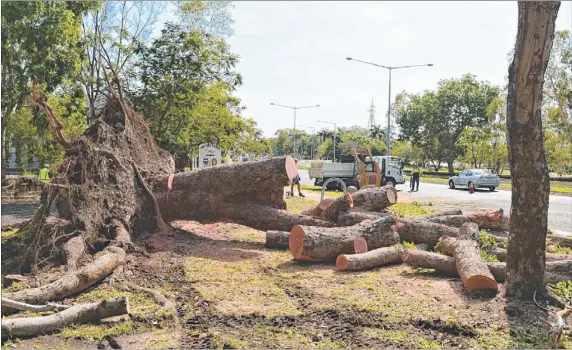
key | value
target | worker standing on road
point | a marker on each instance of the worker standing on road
(415, 173)
(44, 174)
(296, 181)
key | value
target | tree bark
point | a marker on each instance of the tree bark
(319, 208)
(72, 283)
(373, 199)
(193, 193)
(373, 258)
(442, 213)
(530, 179)
(470, 265)
(264, 218)
(277, 239)
(494, 220)
(423, 231)
(32, 326)
(350, 218)
(325, 244)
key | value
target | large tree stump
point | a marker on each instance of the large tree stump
(372, 199)
(373, 258)
(32, 326)
(325, 244)
(470, 265)
(277, 239)
(423, 231)
(71, 283)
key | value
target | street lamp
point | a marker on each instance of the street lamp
(390, 68)
(334, 124)
(294, 108)
(313, 139)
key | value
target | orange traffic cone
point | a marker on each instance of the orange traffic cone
(471, 189)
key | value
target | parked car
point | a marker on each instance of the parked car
(475, 178)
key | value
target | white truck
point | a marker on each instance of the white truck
(348, 171)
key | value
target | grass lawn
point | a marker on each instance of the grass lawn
(318, 190)
(303, 167)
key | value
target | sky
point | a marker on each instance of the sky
(294, 53)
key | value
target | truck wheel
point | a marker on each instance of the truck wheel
(353, 182)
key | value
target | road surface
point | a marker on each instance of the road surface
(559, 211)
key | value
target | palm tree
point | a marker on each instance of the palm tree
(324, 134)
(377, 132)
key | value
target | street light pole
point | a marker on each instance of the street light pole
(294, 108)
(313, 139)
(334, 124)
(389, 68)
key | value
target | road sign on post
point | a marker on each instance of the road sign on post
(209, 156)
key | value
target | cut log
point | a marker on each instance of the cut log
(450, 220)
(277, 239)
(446, 245)
(561, 240)
(325, 244)
(442, 213)
(204, 191)
(427, 260)
(71, 283)
(264, 218)
(555, 271)
(423, 231)
(350, 218)
(470, 265)
(372, 199)
(494, 220)
(373, 258)
(32, 326)
(319, 209)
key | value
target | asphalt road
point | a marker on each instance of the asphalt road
(559, 211)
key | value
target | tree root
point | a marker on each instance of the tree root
(74, 250)
(32, 326)
(72, 283)
(159, 298)
(33, 308)
(161, 225)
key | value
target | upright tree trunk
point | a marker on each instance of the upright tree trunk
(530, 180)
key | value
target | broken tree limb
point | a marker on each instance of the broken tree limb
(265, 218)
(423, 231)
(470, 265)
(373, 258)
(325, 244)
(350, 218)
(33, 308)
(277, 239)
(191, 193)
(372, 199)
(71, 283)
(32, 326)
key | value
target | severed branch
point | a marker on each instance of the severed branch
(36, 99)
(33, 308)
(32, 326)
(159, 298)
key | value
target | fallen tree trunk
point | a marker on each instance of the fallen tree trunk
(561, 240)
(495, 220)
(32, 326)
(442, 213)
(264, 218)
(556, 271)
(187, 195)
(470, 265)
(277, 239)
(350, 218)
(373, 258)
(372, 199)
(325, 244)
(71, 283)
(423, 231)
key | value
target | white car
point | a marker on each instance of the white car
(475, 178)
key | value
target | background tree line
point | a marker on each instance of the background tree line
(181, 78)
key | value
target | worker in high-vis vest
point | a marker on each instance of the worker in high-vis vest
(44, 174)
(415, 173)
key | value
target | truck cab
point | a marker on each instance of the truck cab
(391, 168)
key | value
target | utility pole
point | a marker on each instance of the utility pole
(390, 68)
(294, 108)
(371, 110)
(334, 124)
(312, 150)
